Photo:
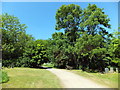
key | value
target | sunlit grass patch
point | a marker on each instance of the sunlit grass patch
(31, 78)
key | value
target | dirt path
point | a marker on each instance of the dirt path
(71, 80)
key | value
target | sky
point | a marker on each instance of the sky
(40, 16)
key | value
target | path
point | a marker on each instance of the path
(71, 80)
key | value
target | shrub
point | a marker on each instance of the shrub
(4, 76)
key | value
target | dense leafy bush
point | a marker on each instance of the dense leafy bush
(4, 77)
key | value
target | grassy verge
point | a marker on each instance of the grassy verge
(110, 79)
(31, 78)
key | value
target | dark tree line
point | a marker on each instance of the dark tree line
(85, 43)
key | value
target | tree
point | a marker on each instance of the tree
(56, 50)
(87, 48)
(68, 17)
(34, 55)
(14, 39)
(95, 21)
(97, 59)
(83, 28)
(73, 19)
(114, 52)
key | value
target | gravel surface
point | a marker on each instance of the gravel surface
(71, 80)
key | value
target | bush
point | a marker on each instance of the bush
(4, 78)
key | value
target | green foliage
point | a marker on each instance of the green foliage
(34, 55)
(4, 77)
(90, 53)
(94, 20)
(73, 19)
(19, 48)
(114, 51)
(68, 18)
(85, 42)
(56, 50)
(14, 39)
(88, 42)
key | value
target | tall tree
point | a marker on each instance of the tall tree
(94, 21)
(14, 39)
(68, 17)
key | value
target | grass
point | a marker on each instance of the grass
(31, 78)
(109, 79)
(49, 65)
